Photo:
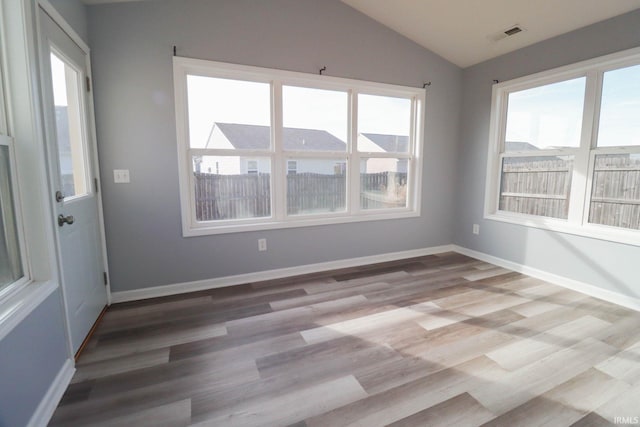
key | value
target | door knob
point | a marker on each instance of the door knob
(62, 220)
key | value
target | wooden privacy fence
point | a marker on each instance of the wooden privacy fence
(536, 187)
(220, 197)
(615, 197)
(542, 187)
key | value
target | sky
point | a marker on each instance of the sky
(59, 82)
(551, 115)
(213, 100)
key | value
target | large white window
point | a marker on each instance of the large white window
(11, 254)
(565, 149)
(261, 148)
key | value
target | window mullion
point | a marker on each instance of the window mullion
(579, 178)
(278, 181)
(591, 158)
(353, 171)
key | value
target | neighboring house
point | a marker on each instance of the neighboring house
(232, 136)
(516, 146)
(381, 143)
(252, 137)
(64, 149)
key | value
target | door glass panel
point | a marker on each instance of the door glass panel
(72, 155)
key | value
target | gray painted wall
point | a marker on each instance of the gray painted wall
(131, 53)
(33, 353)
(75, 13)
(30, 358)
(608, 265)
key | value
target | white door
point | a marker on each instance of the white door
(73, 177)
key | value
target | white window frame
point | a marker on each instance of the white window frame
(6, 140)
(182, 67)
(584, 160)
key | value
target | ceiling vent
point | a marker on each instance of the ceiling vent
(509, 32)
(513, 30)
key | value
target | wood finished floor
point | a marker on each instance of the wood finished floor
(441, 340)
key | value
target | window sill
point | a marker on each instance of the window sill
(600, 232)
(235, 227)
(16, 307)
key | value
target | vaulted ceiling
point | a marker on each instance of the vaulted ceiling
(467, 32)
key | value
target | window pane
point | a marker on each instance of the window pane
(615, 195)
(314, 119)
(548, 116)
(228, 114)
(232, 187)
(70, 135)
(383, 124)
(316, 186)
(10, 262)
(536, 185)
(383, 183)
(620, 111)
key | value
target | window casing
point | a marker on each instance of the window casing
(564, 149)
(12, 257)
(292, 154)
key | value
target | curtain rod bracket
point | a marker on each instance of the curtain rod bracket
(496, 81)
(424, 85)
(323, 69)
(174, 50)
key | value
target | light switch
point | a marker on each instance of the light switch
(121, 176)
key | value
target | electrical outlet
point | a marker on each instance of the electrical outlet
(476, 228)
(121, 176)
(262, 245)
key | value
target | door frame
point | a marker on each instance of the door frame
(48, 126)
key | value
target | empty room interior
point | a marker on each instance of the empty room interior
(319, 213)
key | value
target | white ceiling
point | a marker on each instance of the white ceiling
(464, 31)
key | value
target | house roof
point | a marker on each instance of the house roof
(519, 146)
(253, 137)
(389, 143)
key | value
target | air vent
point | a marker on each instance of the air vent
(511, 31)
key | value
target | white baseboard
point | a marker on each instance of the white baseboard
(49, 402)
(565, 282)
(220, 282)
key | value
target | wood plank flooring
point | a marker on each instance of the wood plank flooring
(441, 340)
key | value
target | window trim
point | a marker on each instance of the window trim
(9, 289)
(277, 79)
(582, 177)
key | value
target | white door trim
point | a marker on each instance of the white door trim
(48, 9)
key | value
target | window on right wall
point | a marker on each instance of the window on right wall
(565, 149)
